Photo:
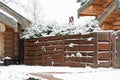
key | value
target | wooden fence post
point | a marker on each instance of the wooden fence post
(24, 45)
(63, 59)
(113, 50)
(95, 63)
(42, 52)
(21, 51)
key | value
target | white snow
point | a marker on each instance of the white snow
(36, 42)
(21, 72)
(8, 15)
(78, 54)
(90, 39)
(7, 58)
(72, 45)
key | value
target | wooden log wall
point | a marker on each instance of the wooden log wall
(1, 45)
(112, 19)
(96, 8)
(11, 40)
(93, 50)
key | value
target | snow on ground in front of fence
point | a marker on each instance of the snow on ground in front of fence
(21, 72)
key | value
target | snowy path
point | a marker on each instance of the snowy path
(21, 72)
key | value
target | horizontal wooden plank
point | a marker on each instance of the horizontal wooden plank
(88, 35)
(67, 48)
(33, 40)
(53, 38)
(78, 41)
(52, 55)
(8, 51)
(76, 64)
(31, 53)
(104, 64)
(9, 41)
(47, 53)
(75, 41)
(104, 36)
(82, 59)
(86, 48)
(54, 48)
(9, 45)
(51, 43)
(87, 41)
(33, 62)
(8, 37)
(30, 44)
(8, 33)
(53, 60)
(32, 49)
(53, 52)
(104, 56)
(79, 48)
(84, 53)
(77, 36)
(51, 48)
(103, 46)
(33, 57)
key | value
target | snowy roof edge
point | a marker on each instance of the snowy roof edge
(22, 20)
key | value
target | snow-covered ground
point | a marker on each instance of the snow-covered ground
(21, 72)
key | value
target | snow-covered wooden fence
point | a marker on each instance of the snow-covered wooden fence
(94, 49)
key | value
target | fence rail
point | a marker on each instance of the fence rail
(93, 50)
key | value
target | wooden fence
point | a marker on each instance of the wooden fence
(94, 49)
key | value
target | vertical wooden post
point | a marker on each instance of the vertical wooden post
(63, 59)
(113, 50)
(42, 52)
(95, 63)
(42, 58)
(24, 41)
(21, 51)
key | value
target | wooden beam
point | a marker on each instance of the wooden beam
(6, 20)
(22, 20)
(84, 6)
(106, 26)
(116, 23)
(107, 12)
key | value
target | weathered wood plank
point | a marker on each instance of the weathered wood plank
(82, 59)
(104, 56)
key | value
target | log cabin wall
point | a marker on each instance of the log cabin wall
(9, 38)
(1, 45)
(111, 22)
(96, 8)
(11, 43)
